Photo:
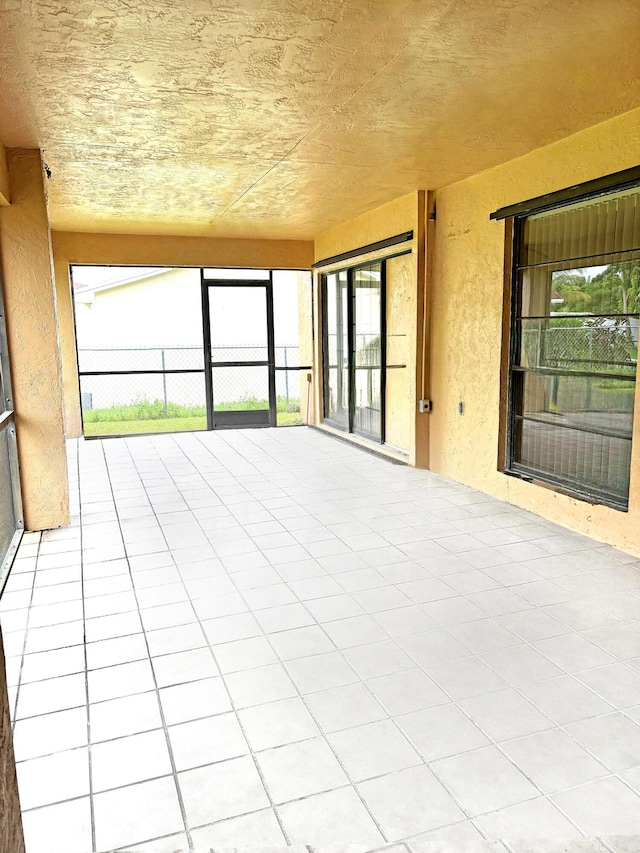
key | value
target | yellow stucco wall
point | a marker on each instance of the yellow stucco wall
(5, 194)
(401, 312)
(135, 250)
(30, 306)
(466, 323)
(386, 221)
(393, 218)
(66, 332)
(305, 325)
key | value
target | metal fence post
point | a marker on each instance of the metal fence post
(286, 377)
(164, 384)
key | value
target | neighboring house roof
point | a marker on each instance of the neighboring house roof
(89, 280)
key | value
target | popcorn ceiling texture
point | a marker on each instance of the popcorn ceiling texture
(284, 118)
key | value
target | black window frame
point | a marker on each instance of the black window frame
(516, 216)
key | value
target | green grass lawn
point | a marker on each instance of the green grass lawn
(145, 416)
(157, 425)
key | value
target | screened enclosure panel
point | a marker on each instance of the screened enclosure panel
(120, 404)
(293, 397)
(126, 317)
(113, 359)
(229, 274)
(292, 318)
(238, 323)
(147, 353)
(240, 395)
(286, 317)
(135, 326)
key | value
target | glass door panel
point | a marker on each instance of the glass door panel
(242, 379)
(367, 351)
(336, 410)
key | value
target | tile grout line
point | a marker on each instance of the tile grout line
(427, 764)
(14, 716)
(157, 693)
(491, 739)
(353, 785)
(86, 665)
(569, 674)
(223, 680)
(231, 701)
(497, 745)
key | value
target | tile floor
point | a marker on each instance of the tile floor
(261, 638)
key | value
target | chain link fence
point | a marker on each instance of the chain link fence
(599, 346)
(132, 389)
(596, 366)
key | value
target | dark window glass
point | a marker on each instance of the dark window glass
(574, 364)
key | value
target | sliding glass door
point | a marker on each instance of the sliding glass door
(336, 361)
(354, 350)
(367, 351)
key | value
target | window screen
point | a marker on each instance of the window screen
(575, 345)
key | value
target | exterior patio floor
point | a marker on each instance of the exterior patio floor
(269, 638)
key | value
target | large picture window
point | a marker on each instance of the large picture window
(574, 345)
(354, 349)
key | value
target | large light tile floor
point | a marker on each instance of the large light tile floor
(260, 638)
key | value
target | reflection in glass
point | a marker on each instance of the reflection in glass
(578, 344)
(609, 287)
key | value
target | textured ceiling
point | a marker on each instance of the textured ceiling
(280, 118)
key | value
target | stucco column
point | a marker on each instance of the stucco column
(32, 331)
(67, 336)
